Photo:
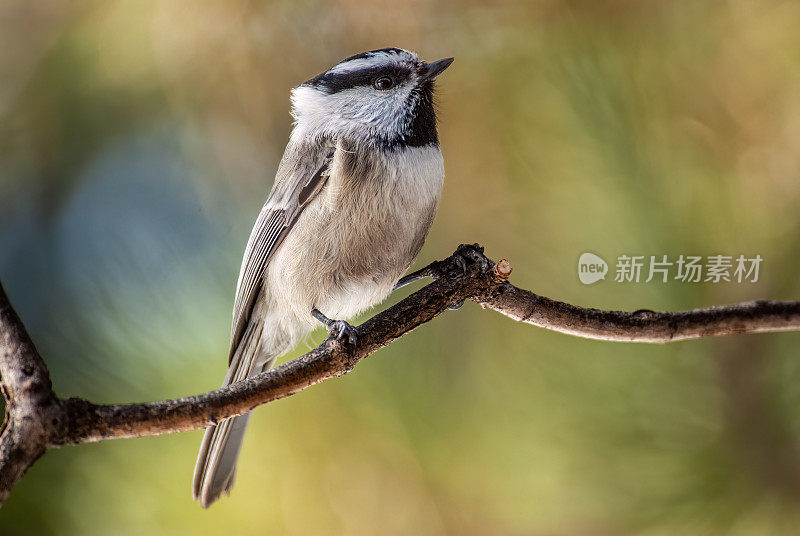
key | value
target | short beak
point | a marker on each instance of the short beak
(432, 70)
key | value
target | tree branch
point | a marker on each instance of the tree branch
(31, 406)
(37, 420)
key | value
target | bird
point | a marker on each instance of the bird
(351, 205)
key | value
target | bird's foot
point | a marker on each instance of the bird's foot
(338, 329)
(414, 276)
(470, 255)
(460, 261)
(456, 306)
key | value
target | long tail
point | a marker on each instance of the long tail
(216, 462)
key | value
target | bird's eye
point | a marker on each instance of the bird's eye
(383, 83)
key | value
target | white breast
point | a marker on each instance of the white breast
(352, 244)
(418, 169)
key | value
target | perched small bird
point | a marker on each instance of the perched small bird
(353, 199)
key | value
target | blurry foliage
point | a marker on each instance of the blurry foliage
(139, 138)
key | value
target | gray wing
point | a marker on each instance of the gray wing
(301, 176)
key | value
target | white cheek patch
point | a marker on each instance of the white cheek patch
(306, 100)
(359, 112)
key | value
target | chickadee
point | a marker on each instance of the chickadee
(355, 194)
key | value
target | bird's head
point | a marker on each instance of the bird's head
(382, 97)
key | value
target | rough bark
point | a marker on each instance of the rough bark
(37, 420)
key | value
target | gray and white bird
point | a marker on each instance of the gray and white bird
(354, 196)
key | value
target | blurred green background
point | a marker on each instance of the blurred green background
(138, 140)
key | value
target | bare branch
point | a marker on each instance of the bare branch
(37, 420)
(643, 325)
(31, 406)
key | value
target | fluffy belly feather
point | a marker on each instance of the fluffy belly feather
(351, 244)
